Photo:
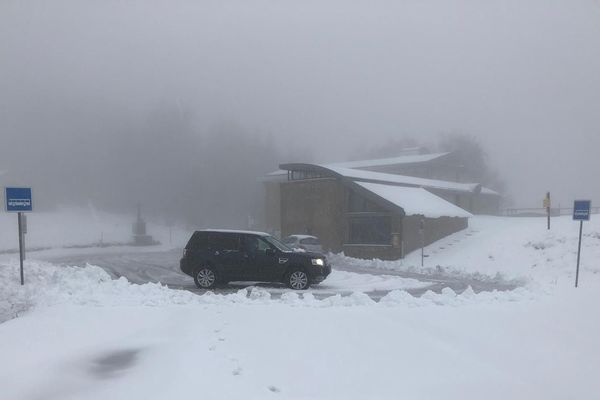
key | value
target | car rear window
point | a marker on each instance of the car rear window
(309, 241)
(225, 241)
(214, 241)
(199, 240)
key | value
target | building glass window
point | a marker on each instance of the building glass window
(370, 230)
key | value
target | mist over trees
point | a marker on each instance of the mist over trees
(180, 167)
(467, 149)
(174, 165)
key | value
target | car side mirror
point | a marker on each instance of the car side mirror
(270, 252)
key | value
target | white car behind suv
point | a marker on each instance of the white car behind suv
(304, 242)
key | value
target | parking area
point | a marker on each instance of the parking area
(163, 267)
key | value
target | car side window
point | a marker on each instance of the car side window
(263, 245)
(225, 242)
(254, 245)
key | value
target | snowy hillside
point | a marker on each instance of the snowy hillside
(514, 248)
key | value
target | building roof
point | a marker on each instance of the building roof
(415, 201)
(489, 191)
(381, 162)
(234, 231)
(357, 171)
(381, 177)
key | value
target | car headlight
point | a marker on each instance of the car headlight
(317, 261)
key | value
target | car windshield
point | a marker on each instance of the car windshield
(277, 243)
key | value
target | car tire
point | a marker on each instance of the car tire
(205, 277)
(298, 279)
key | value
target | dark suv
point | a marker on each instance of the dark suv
(215, 257)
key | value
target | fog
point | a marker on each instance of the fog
(183, 105)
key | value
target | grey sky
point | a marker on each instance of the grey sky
(329, 76)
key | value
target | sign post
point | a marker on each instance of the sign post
(581, 212)
(19, 200)
(547, 206)
(422, 231)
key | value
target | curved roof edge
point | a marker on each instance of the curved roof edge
(381, 177)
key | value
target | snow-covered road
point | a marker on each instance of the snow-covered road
(163, 267)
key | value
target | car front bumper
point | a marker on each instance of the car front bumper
(319, 274)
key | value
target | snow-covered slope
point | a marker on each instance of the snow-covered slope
(513, 248)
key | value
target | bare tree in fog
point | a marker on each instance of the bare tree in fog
(473, 159)
(467, 151)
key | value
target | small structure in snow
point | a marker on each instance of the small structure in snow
(140, 237)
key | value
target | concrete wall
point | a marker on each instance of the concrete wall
(435, 229)
(475, 203)
(319, 207)
(316, 207)
(393, 251)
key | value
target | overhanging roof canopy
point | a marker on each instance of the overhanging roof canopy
(385, 162)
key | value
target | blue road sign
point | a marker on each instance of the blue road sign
(18, 199)
(581, 210)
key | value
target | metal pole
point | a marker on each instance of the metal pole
(422, 232)
(548, 209)
(23, 233)
(578, 253)
(422, 247)
(19, 217)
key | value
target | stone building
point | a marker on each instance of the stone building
(369, 209)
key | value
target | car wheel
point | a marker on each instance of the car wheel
(205, 278)
(298, 280)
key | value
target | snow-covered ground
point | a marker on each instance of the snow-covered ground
(541, 349)
(81, 335)
(69, 227)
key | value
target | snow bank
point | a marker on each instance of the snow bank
(48, 285)
(545, 349)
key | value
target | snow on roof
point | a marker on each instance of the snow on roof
(415, 201)
(234, 231)
(361, 175)
(277, 172)
(303, 236)
(406, 159)
(380, 162)
(489, 191)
